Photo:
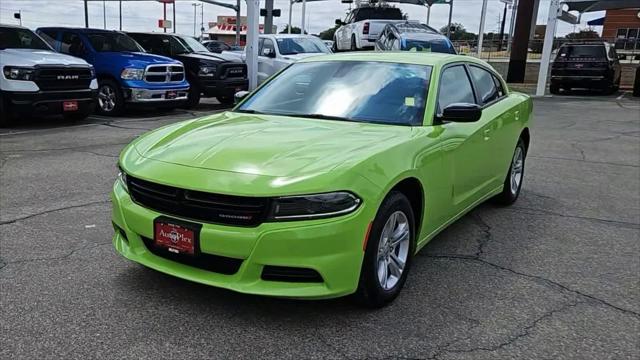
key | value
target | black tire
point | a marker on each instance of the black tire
(370, 292)
(354, 45)
(334, 47)
(508, 195)
(5, 117)
(193, 98)
(554, 89)
(117, 106)
(226, 99)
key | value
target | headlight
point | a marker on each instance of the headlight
(207, 70)
(314, 206)
(122, 178)
(132, 74)
(18, 73)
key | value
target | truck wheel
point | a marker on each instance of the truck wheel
(354, 46)
(225, 99)
(193, 98)
(6, 118)
(334, 47)
(110, 99)
(554, 89)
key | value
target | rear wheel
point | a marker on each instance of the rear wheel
(354, 45)
(554, 89)
(515, 176)
(389, 252)
(110, 99)
(334, 47)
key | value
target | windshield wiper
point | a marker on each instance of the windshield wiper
(320, 116)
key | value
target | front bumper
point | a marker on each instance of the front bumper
(138, 95)
(49, 102)
(226, 87)
(331, 247)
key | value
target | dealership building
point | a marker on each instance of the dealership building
(224, 29)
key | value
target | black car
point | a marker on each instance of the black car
(209, 74)
(218, 46)
(587, 65)
(411, 36)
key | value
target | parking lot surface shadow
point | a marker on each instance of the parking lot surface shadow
(553, 276)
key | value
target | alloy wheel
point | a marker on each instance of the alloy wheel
(393, 250)
(517, 167)
(106, 98)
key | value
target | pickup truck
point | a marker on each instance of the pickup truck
(36, 80)
(276, 52)
(361, 27)
(209, 74)
(127, 76)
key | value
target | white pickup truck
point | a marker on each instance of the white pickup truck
(363, 25)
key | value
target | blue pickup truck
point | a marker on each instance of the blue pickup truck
(127, 76)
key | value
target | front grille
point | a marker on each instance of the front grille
(62, 78)
(215, 263)
(198, 205)
(290, 274)
(164, 74)
(233, 71)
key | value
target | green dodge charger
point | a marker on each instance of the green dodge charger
(327, 179)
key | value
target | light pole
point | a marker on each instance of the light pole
(195, 16)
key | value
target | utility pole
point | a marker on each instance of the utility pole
(514, 8)
(504, 19)
(86, 14)
(483, 16)
(520, 43)
(290, 11)
(238, 23)
(164, 16)
(104, 14)
(195, 16)
(428, 14)
(304, 8)
(174, 16)
(268, 19)
(450, 16)
(120, 13)
(201, 21)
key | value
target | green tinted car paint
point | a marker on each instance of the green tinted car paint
(458, 166)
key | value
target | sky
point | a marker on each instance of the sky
(144, 15)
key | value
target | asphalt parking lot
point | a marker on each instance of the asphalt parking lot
(554, 276)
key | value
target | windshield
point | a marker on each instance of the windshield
(16, 38)
(113, 41)
(301, 45)
(582, 51)
(374, 92)
(439, 46)
(378, 13)
(192, 44)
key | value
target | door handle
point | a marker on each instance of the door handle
(487, 132)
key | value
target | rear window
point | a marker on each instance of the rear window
(582, 51)
(378, 13)
(17, 38)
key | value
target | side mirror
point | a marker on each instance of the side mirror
(462, 112)
(339, 22)
(239, 96)
(269, 53)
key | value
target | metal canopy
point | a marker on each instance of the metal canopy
(599, 5)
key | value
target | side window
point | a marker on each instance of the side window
(455, 87)
(260, 45)
(72, 44)
(267, 48)
(485, 84)
(50, 36)
(499, 86)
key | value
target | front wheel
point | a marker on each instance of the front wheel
(513, 182)
(388, 254)
(193, 97)
(110, 99)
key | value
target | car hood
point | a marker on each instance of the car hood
(136, 59)
(33, 57)
(213, 57)
(268, 145)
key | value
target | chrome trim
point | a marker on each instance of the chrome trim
(146, 95)
(167, 73)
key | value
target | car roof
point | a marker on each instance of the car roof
(80, 30)
(405, 57)
(413, 27)
(12, 26)
(288, 36)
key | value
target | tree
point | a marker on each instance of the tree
(328, 34)
(294, 30)
(583, 35)
(458, 32)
